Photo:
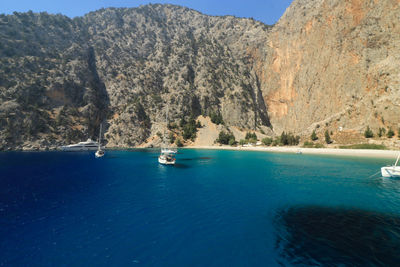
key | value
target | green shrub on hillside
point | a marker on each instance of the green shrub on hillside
(172, 125)
(319, 146)
(267, 141)
(314, 136)
(288, 139)
(226, 138)
(182, 122)
(171, 138)
(216, 118)
(390, 133)
(381, 132)
(308, 144)
(250, 136)
(178, 142)
(312, 145)
(327, 137)
(232, 142)
(364, 146)
(189, 129)
(368, 133)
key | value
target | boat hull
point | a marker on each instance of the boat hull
(391, 171)
(99, 153)
(165, 161)
(75, 149)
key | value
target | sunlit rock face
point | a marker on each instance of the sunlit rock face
(334, 63)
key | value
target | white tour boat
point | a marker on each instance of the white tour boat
(88, 145)
(391, 171)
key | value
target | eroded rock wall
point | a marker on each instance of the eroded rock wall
(335, 64)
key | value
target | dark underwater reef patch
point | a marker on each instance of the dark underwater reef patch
(324, 236)
(196, 158)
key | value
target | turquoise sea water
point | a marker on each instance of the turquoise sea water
(214, 208)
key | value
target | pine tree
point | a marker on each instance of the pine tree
(314, 136)
(390, 133)
(327, 137)
(368, 133)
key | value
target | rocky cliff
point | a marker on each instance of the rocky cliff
(61, 77)
(325, 64)
(334, 64)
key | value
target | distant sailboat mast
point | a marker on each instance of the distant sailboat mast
(100, 138)
(167, 154)
(166, 126)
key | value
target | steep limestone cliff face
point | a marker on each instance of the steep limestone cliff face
(334, 64)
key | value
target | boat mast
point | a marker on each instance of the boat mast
(166, 125)
(166, 116)
(398, 157)
(100, 136)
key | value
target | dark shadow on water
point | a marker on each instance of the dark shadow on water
(181, 166)
(199, 158)
(320, 236)
(112, 157)
(189, 159)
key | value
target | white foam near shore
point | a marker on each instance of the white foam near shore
(372, 153)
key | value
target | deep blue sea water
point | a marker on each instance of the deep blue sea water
(214, 208)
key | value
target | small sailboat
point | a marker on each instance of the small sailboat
(99, 153)
(167, 155)
(391, 171)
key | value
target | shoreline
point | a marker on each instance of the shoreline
(365, 153)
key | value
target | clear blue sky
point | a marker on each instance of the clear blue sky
(267, 11)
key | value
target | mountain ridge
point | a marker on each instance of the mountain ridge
(124, 66)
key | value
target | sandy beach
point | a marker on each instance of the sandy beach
(372, 153)
(209, 133)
